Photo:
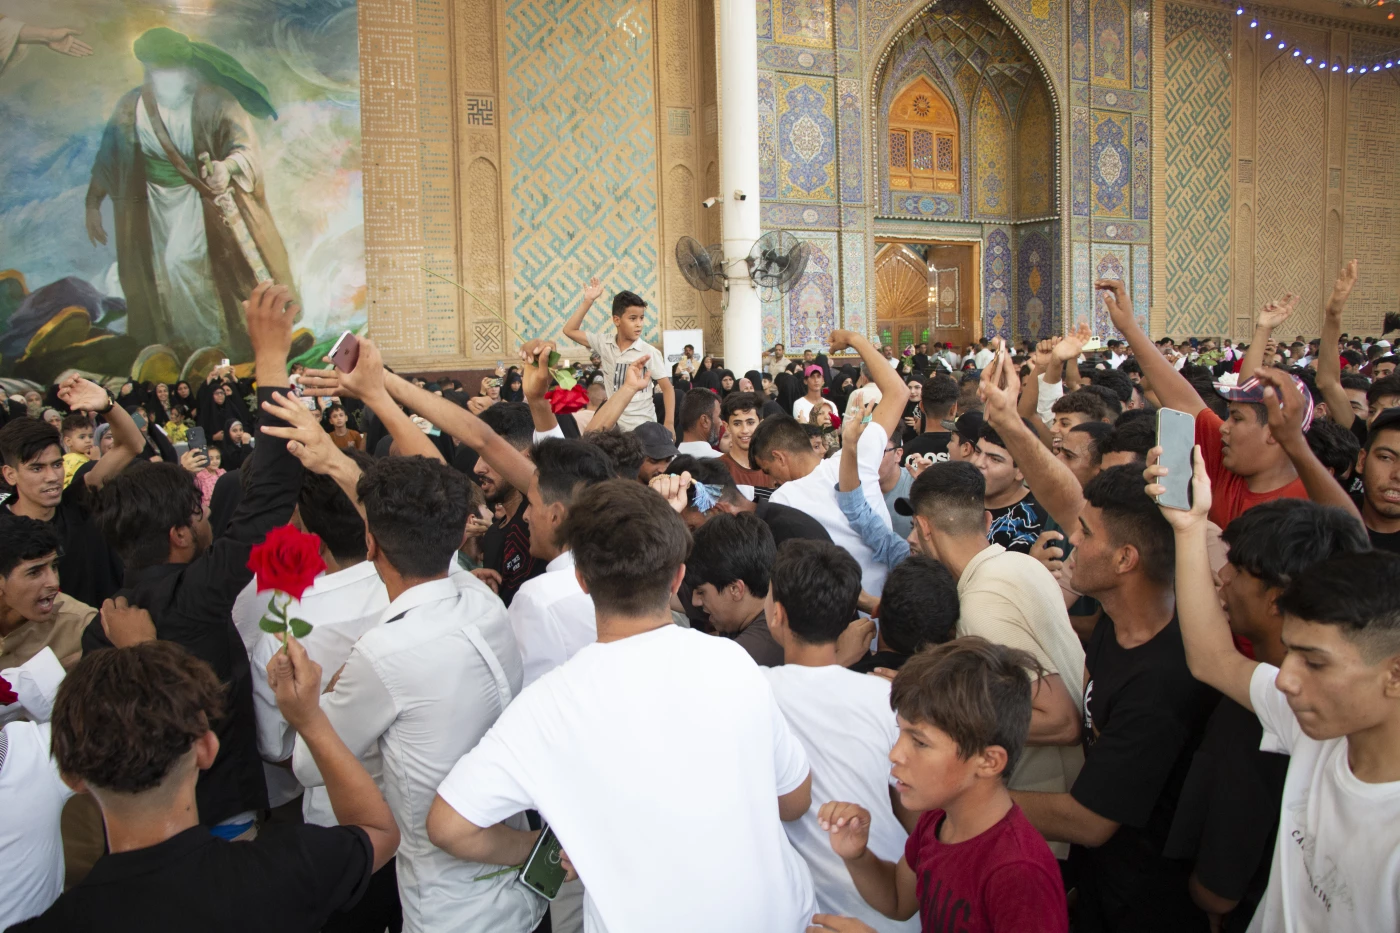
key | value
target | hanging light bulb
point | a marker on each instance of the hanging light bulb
(1253, 23)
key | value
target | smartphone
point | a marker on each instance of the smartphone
(346, 352)
(544, 871)
(197, 442)
(224, 363)
(1176, 435)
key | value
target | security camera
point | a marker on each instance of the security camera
(711, 202)
(740, 196)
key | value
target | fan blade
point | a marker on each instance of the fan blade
(693, 261)
(796, 265)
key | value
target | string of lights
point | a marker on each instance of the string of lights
(1387, 62)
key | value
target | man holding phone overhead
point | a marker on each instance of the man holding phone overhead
(1260, 453)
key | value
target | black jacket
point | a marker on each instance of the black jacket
(192, 605)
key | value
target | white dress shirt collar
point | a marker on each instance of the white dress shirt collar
(564, 561)
(420, 595)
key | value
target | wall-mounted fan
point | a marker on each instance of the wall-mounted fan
(776, 262)
(702, 267)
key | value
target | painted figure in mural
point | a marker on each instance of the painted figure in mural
(193, 230)
(16, 37)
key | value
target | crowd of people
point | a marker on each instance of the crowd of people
(870, 639)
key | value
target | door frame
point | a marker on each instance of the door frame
(974, 241)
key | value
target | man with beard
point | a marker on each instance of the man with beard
(509, 562)
(699, 424)
(1379, 467)
(194, 234)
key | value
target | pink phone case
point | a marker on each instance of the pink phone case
(346, 352)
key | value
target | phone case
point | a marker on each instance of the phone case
(346, 352)
(544, 871)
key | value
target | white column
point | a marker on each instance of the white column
(738, 171)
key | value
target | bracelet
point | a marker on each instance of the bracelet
(111, 403)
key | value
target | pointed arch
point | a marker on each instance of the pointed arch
(923, 149)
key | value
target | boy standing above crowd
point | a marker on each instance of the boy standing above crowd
(620, 349)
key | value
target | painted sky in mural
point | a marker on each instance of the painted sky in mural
(108, 204)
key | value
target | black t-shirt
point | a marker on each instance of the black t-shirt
(506, 550)
(1228, 811)
(786, 522)
(1385, 541)
(1016, 526)
(291, 878)
(89, 570)
(1144, 715)
(934, 442)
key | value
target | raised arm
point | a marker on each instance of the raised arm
(893, 391)
(1205, 632)
(1329, 364)
(367, 383)
(1285, 406)
(81, 394)
(637, 379)
(1271, 316)
(573, 327)
(309, 443)
(535, 381)
(1050, 481)
(1171, 387)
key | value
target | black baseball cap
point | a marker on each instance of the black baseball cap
(656, 441)
(968, 428)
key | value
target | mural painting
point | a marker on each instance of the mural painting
(161, 158)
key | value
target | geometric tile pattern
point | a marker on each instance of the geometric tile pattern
(1035, 145)
(1079, 40)
(1215, 26)
(1044, 22)
(1373, 200)
(992, 137)
(1110, 43)
(1197, 151)
(1142, 43)
(1082, 282)
(1111, 164)
(810, 308)
(767, 137)
(1033, 286)
(1110, 262)
(1079, 167)
(803, 22)
(1142, 167)
(1292, 189)
(851, 134)
(583, 205)
(996, 284)
(806, 137)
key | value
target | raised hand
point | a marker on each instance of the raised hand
(82, 394)
(1000, 386)
(126, 625)
(535, 379)
(366, 381)
(295, 680)
(848, 825)
(1274, 313)
(1285, 406)
(1115, 299)
(593, 290)
(306, 439)
(854, 423)
(673, 488)
(193, 461)
(840, 340)
(1044, 353)
(1070, 346)
(1341, 290)
(269, 313)
(1200, 489)
(638, 377)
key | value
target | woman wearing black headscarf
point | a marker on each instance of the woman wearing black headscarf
(220, 403)
(755, 379)
(513, 390)
(790, 389)
(843, 383)
(727, 382)
(707, 376)
(236, 445)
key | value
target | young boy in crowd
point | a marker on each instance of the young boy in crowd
(973, 861)
(623, 809)
(131, 727)
(741, 413)
(77, 443)
(620, 349)
(728, 572)
(842, 718)
(918, 609)
(1332, 705)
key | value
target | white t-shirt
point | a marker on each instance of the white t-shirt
(614, 362)
(845, 723)
(31, 802)
(815, 494)
(1337, 856)
(698, 449)
(552, 618)
(803, 409)
(658, 760)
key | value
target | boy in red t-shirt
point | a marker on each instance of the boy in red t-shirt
(973, 863)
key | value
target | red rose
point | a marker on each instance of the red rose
(287, 560)
(7, 693)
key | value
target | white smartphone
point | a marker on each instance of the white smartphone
(1176, 435)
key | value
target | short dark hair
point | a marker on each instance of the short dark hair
(622, 448)
(23, 539)
(939, 393)
(696, 404)
(1358, 592)
(628, 543)
(1137, 436)
(972, 689)
(566, 466)
(1098, 433)
(1109, 396)
(818, 585)
(124, 716)
(919, 605)
(1353, 381)
(137, 508)
(416, 508)
(780, 432)
(1388, 420)
(1133, 518)
(76, 421)
(1381, 388)
(1278, 540)
(1119, 382)
(732, 547)
(512, 421)
(952, 496)
(327, 511)
(740, 401)
(1334, 445)
(23, 439)
(624, 300)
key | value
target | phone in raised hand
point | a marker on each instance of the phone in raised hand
(346, 352)
(1176, 435)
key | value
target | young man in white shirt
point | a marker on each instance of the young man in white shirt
(699, 424)
(781, 448)
(657, 755)
(842, 718)
(424, 686)
(1333, 706)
